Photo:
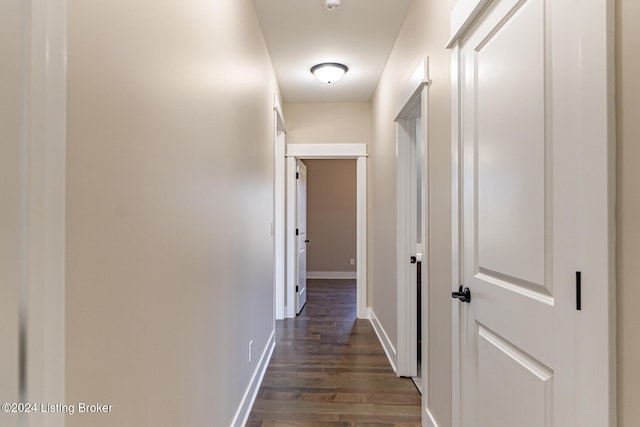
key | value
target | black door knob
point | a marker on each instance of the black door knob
(414, 260)
(462, 295)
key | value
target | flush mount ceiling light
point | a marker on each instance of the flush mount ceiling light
(329, 72)
(331, 4)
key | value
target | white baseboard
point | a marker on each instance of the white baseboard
(431, 422)
(331, 274)
(242, 414)
(389, 350)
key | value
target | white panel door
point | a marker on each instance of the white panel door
(301, 230)
(520, 231)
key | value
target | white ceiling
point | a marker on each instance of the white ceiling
(302, 33)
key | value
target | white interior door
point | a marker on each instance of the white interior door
(522, 346)
(408, 253)
(301, 236)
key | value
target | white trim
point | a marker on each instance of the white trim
(45, 23)
(361, 237)
(597, 108)
(411, 142)
(331, 275)
(387, 346)
(456, 171)
(463, 16)
(279, 207)
(411, 90)
(277, 107)
(250, 394)
(431, 421)
(424, 252)
(328, 151)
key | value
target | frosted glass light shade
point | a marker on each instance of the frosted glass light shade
(332, 4)
(329, 72)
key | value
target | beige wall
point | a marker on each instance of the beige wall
(628, 209)
(331, 215)
(328, 122)
(424, 33)
(169, 183)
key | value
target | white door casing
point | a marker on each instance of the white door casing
(301, 235)
(411, 143)
(32, 216)
(327, 151)
(12, 194)
(279, 206)
(532, 209)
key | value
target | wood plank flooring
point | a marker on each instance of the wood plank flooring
(329, 369)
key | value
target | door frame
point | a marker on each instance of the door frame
(597, 122)
(411, 104)
(279, 208)
(326, 151)
(42, 189)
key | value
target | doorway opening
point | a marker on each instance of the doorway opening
(411, 144)
(326, 225)
(295, 152)
(331, 219)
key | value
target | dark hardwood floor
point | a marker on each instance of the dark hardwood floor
(329, 369)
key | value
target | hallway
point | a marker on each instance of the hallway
(329, 369)
(147, 243)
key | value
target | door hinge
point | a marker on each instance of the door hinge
(297, 175)
(578, 290)
(297, 232)
(296, 289)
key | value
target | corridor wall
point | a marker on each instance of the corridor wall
(169, 205)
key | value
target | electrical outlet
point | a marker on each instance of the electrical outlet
(250, 350)
(352, 261)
